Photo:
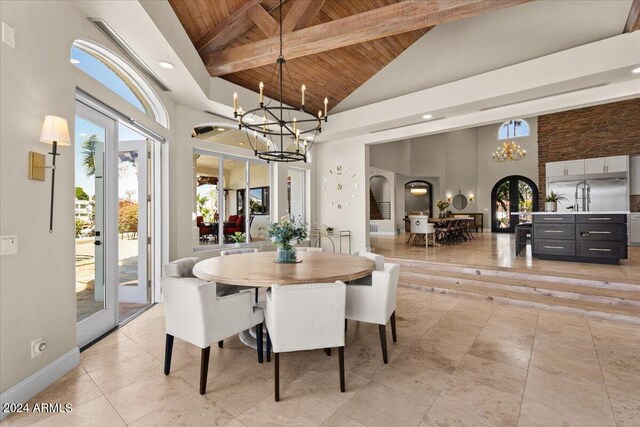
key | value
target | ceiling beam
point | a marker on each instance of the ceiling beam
(377, 23)
(633, 21)
(301, 14)
(232, 27)
(264, 21)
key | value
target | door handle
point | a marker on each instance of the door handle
(97, 243)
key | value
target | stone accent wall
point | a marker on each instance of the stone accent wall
(599, 131)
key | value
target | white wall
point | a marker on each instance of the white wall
(328, 156)
(36, 78)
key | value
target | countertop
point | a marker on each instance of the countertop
(582, 213)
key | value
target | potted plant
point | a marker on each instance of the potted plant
(282, 233)
(442, 206)
(551, 201)
(237, 238)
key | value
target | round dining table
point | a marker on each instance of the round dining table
(259, 270)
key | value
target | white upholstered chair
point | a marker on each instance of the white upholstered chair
(308, 249)
(378, 260)
(195, 314)
(306, 317)
(183, 269)
(241, 251)
(376, 303)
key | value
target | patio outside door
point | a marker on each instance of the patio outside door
(513, 199)
(96, 300)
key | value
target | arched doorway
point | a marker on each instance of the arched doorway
(418, 197)
(512, 199)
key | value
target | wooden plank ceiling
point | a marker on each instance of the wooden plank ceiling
(236, 38)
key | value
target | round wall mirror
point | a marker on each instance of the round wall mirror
(459, 201)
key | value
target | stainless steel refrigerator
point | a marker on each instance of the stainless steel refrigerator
(592, 195)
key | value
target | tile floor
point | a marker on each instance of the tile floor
(457, 361)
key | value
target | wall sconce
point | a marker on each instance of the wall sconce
(418, 191)
(55, 132)
(471, 197)
(448, 197)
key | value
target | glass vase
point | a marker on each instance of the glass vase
(286, 254)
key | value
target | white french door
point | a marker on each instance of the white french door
(96, 247)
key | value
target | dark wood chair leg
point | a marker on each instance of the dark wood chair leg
(256, 294)
(341, 364)
(259, 342)
(204, 369)
(346, 322)
(277, 376)
(393, 327)
(268, 347)
(327, 351)
(221, 344)
(383, 342)
(168, 350)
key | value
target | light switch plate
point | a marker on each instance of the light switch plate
(8, 35)
(9, 245)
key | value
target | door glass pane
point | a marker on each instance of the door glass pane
(295, 194)
(206, 208)
(525, 202)
(234, 184)
(133, 208)
(259, 203)
(89, 162)
(503, 217)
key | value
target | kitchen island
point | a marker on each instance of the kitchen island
(597, 237)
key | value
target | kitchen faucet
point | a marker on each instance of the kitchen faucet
(585, 199)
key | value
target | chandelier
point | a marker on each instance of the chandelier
(287, 133)
(510, 151)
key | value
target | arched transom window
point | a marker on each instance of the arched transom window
(513, 129)
(110, 70)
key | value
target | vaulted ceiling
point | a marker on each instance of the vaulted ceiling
(332, 46)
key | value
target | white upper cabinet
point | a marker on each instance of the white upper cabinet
(617, 164)
(592, 166)
(555, 169)
(574, 167)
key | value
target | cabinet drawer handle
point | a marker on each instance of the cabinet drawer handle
(600, 250)
(599, 232)
(553, 231)
(554, 247)
(599, 219)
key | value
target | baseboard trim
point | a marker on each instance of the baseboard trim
(34, 384)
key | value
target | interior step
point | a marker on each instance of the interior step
(615, 301)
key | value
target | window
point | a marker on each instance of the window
(296, 194)
(513, 129)
(114, 73)
(220, 205)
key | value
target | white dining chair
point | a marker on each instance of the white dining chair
(308, 249)
(378, 261)
(376, 303)
(195, 314)
(420, 226)
(183, 269)
(305, 317)
(241, 251)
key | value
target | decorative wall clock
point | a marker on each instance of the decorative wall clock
(339, 188)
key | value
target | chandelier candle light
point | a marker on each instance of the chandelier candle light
(287, 132)
(510, 151)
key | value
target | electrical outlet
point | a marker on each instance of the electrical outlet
(8, 35)
(38, 346)
(9, 245)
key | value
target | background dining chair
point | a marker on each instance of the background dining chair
(308, 249)
(183, 269)
(241, 251)
(376, 303)
(196, 315)
(305, 317)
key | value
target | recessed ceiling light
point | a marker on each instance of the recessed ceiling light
(427, 116)
(636, 70)
(75, 61)
(165, 64)
(221, 129)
